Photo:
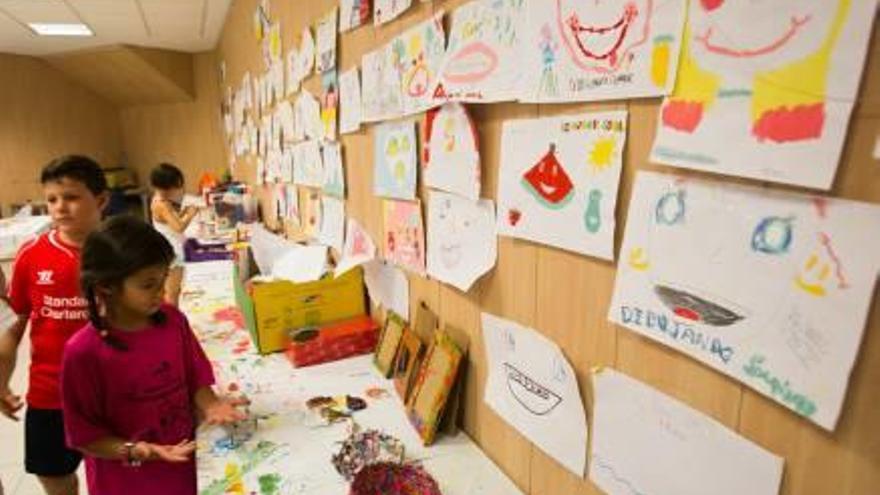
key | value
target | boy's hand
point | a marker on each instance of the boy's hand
(169, 453)
(10, 403)
(225, 410)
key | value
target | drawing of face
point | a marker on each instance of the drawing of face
(600, 35)
(454, 226)
(779, 32)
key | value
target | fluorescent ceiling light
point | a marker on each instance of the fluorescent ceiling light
(60, 29)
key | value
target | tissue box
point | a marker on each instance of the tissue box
(309, 346)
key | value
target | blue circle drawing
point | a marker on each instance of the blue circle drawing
(670, 208)
(773, 235)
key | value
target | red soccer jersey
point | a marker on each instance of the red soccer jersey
(45, 287)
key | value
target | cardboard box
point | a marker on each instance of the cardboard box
(273, 309)
(332, 342)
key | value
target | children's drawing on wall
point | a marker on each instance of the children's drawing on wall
(292, 67)
(291, 201)
(380, 84)
(329, 104)
(308, 166)
(462, 243)
(358, 249)
(532, 386)
(452, 153)
(334, 175)
(558, 180)
(307, 117)
(601, 50)
(350, 110)
(332, 223)
(353, 14)
(325, 32)
(777, 95)
(404, 239)
(416, 57)
(306, 53)
(387, 10)
(395, 160)
(772, 289)
(310, 212)
(633, 423)
(483, 59)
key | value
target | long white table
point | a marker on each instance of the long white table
(288, 449)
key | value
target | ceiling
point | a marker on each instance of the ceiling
(183, 25)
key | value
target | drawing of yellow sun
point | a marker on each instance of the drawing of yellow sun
(602, 153)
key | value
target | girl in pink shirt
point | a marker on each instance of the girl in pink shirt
(134, 378)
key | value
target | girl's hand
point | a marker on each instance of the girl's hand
(169, 453)
(225, 410)
(10, 403)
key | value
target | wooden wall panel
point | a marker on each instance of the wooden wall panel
(566, 296)
(43, 114)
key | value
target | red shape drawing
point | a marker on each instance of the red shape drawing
(548, 182)
(682, 116)
(787, 124)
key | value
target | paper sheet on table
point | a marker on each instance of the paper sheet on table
(533, 388)
(301, 264)
(332, 222)
(334, 175)
(462, 242)
(395, 160)
(358, 249)
(452, 151)
(770, 288)
(267, 248)
(350, 110)
(388, 286)
(642, 439)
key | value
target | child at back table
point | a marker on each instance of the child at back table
(133, 379)
(171, 220)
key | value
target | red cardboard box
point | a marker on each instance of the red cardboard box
(332, 342)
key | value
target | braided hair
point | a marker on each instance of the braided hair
(120, 247)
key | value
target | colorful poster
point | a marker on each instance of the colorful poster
(326, 42)
(404, 234)
(388, 10)
(353, 13)
(350, 109)
(559, 178)
(533, 388)
(416, 57)
(308, 169)
(483, 60)
(452, 153)
(329, 104)
(358, 249)
(334, 175)
(585, 51)
(462, 242)
(642, 437)
(332, 223)
(380, 84)
(771, 102)
(772, 289)
(395, 160)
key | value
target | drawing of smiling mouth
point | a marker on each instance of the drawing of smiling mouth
(695, 308)
(450, 254)
(602, 42)
(533, 396)
(471, 64)
(795, 24)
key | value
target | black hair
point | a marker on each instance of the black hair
(79, 168)
(166, 176)
(120, 247)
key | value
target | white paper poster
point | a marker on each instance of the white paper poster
(452, 153)
(583, 51)
(395, 160)
(358, 249)
(308, 166)
(334, 176)
(388, 286)
(332, 223)
(772, 289)
(381, 92)
(483, 60)
(326, 43)
(387, 10)
(558, 180)
(307, 112)
(293, 75)
(771, 102)
(350, 109)
(306, 53)
(417, 55)
(642, 439)
(533, 388)
(462, 242)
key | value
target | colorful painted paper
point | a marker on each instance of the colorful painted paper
(533, 388)
(332, 223)
(483, 60)
(584, 51)
(329, 105)
(404, 234)
(642, 437)
(416, 56)
(350, 109)
(771, 102)
(462, 243)
(353, 13)
(308, 167)
(389, 342)
(559, 178)
(358, 249)
(452, 153)
(326, 32)
(395, 160)
(772, 289)
(434, 386)
(387, 10)
(334, 176)
(380, 86)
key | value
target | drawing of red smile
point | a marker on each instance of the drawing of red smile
(600, 42)
(794, 26)
(548, 182)
(471, 64)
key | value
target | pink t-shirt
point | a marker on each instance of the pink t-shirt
(143, 393)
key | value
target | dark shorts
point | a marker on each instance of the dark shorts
(45, 451)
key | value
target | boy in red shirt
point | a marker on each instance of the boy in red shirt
(44, 290)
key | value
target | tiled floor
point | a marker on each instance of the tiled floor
(15, 480)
